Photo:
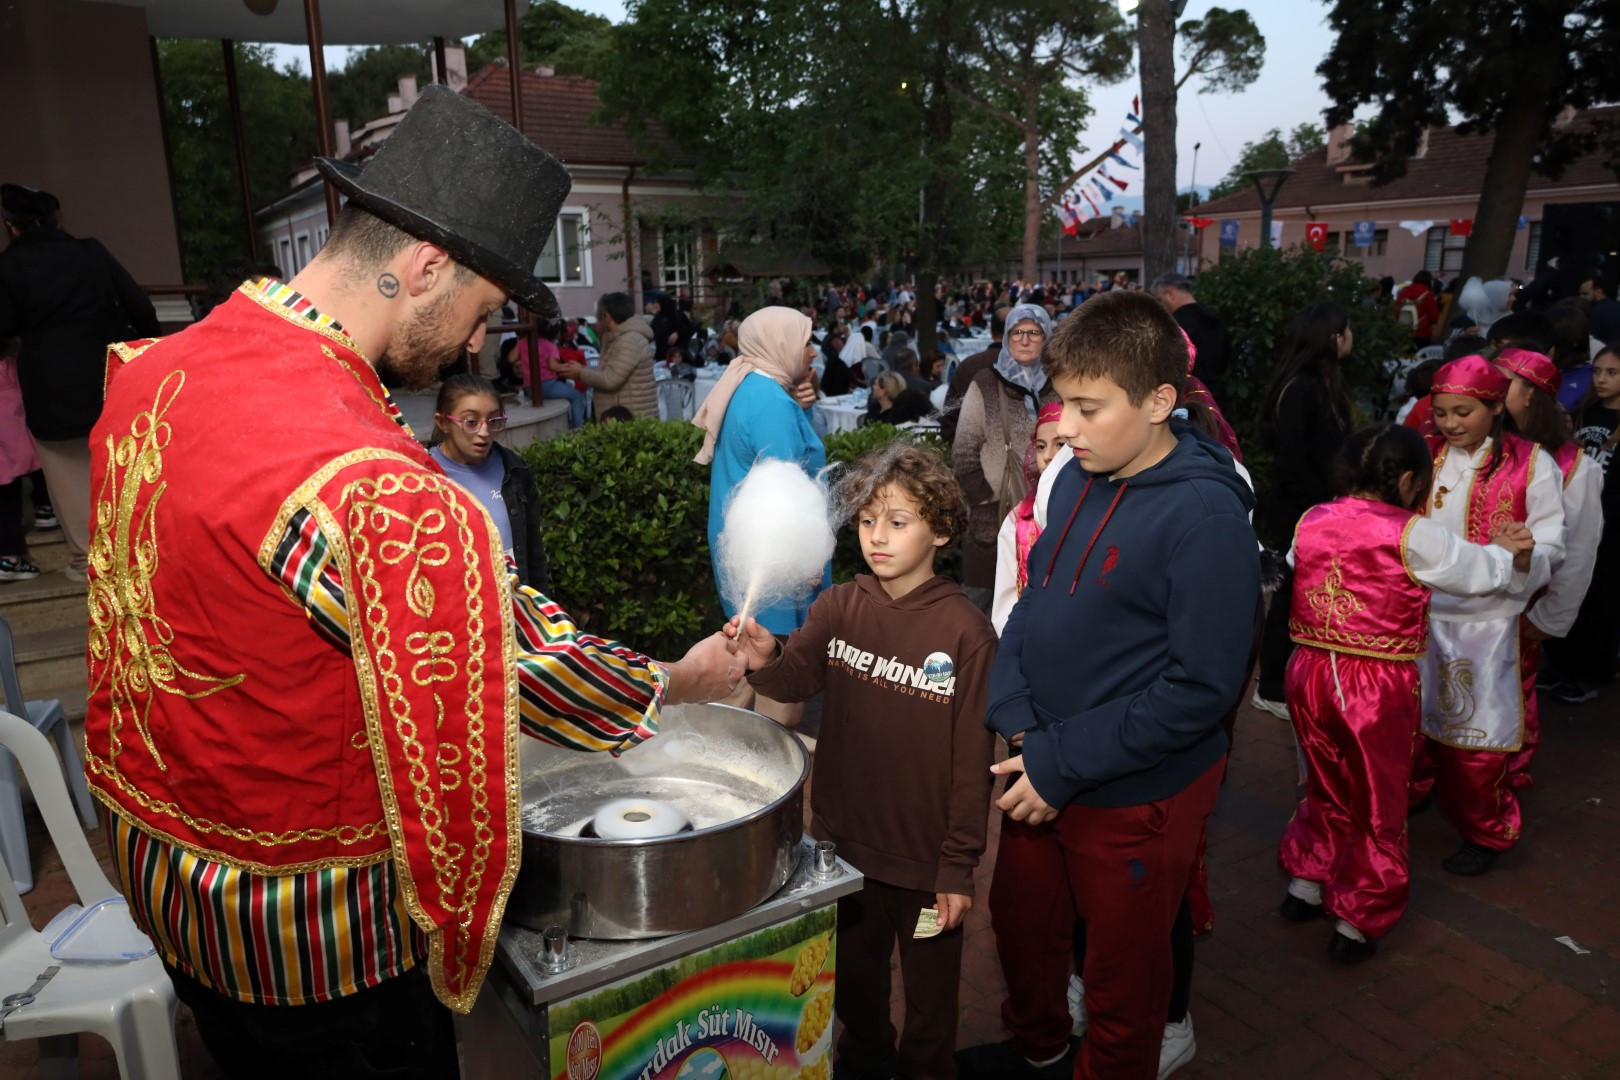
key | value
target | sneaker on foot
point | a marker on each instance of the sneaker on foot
(16, 568)
(1278, 709)
(1178, 1046)
(1002, 1061)
(45, 517)
(1077, 1006)
(1575, 693)
(1471, 860)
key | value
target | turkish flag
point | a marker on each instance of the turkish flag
(1316, 233)
(1200, 222)
(1462, 226)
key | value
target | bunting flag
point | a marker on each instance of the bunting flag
(1123, 185)
(1417, 228)
(1366, 234)
(1229, 232)
(1070, 220)
(1524, 222)
(1276, 234)
(1108, 196)
(1132, 138)
(1095, 210)
(1200, 222)
(1136, 104)
(1114, 155)
(1462, 226)
(1316, 234)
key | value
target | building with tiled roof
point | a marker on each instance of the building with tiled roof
(1441, 185)
(593, 253)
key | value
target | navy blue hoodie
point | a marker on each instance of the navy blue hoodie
(1132, 638)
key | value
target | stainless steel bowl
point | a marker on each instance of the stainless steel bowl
(736, 775)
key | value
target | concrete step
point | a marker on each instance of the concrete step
(47, 549)
(51, 657)
(48, 602)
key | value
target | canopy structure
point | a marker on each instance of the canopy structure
(343, 22)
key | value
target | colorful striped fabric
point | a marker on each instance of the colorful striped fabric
(267, 940)
(299, 938)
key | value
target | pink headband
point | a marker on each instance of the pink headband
(1050, 412)
(1533, 367)
(1472, 376)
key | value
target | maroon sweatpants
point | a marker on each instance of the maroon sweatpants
(870, 923)
(1123, 871)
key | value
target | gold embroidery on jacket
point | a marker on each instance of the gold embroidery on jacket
(129, 642)
(1455, 701)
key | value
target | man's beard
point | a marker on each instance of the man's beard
(418, 349)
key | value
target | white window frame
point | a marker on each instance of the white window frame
(562, 281)
(677, 276)
(301, 249)
(1439, 241)
(284, 255)
(1532, 247)
(320, 238)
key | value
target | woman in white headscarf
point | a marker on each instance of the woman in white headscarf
(1485, 302)
(753, 413)
(994, 426)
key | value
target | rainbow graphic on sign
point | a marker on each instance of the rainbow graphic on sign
(720, 1014)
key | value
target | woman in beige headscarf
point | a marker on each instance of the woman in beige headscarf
(757, 410)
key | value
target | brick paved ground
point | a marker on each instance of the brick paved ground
(1470, 985)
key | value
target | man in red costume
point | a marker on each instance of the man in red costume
(308, 664)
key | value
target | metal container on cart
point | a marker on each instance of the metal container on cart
(735, 777)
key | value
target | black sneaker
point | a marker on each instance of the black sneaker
(1301, 911)
(1471, 860)
(16, 568)
(45, 517)
(1002, 1061)
(1347, 950)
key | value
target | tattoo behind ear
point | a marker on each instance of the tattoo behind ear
(388, 285)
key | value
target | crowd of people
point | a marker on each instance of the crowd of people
(1421, 582)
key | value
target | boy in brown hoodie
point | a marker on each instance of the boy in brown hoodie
(902, 773)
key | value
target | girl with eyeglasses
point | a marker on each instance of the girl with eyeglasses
(467, 417)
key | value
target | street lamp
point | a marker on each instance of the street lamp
(1261, 178)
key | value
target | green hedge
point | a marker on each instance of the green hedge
(626, 513)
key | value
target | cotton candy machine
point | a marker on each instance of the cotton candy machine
(685, 831)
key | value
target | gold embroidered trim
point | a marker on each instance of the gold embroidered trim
(385, 403)
(128, 641)
(248, 290)
(304, 496)
(1351, 651)
(202, 825)
(126, 353)
(1406, 561)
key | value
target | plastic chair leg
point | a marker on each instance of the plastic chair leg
(73, 769)
(13, 832)
(144, 1038)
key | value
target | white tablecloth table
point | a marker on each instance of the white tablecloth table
(840, 413)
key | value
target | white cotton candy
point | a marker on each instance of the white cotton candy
(776, 540)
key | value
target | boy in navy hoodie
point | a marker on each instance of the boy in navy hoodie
(1115, 668)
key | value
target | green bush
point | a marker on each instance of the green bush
(625, 523)
(1258, 292)
(626, 515)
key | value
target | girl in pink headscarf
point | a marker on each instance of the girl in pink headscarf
(1019, 530)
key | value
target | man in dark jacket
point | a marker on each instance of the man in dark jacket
(66, 299)
(1203, 325)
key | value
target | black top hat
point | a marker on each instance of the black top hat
(27, 202)
(455, 175)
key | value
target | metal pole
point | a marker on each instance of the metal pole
(317, 78)
(438, 58)
(513, 67)
(1265, 223)
(168, 154)
(243, 183)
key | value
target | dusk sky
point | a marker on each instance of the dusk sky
(1287, 93)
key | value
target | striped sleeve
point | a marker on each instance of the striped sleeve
(575, 690)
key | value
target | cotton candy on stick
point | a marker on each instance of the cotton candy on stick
(776, 539)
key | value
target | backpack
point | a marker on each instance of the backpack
(1407, 314)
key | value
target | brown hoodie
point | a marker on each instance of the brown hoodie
(902, 773)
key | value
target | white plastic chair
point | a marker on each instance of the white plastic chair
(47, 718)
(131, 1003)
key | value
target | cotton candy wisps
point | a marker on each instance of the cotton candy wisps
(776, 539)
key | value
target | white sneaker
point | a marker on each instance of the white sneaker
(1278, 709)
(1178, 1047)
(1077, 1006)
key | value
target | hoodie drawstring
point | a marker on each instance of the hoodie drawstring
(1101, 525)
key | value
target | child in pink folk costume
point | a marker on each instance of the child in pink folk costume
(1020, 530)
(18, 458)
(1532, 401)
(1485, 475)
(1364, 565)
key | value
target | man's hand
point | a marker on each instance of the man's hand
(709, 671)
(753, 643)
(1021, 802)
(566, 370)
(804, 391)
(952, 908)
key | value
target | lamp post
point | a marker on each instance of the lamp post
(1261, 178)
(1192, 201)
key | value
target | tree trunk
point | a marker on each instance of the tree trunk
(936, 124)
(1507, 176)
(927, 316)
(1156, 39)
(1032, 186)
